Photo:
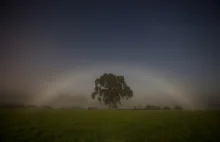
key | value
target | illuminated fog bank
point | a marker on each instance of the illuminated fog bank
(149, 86)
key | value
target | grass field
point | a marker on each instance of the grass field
(41, 125)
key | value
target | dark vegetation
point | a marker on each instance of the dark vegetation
(148, 107)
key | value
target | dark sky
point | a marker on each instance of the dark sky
(40, 37)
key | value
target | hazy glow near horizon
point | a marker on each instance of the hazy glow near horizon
(144, 82)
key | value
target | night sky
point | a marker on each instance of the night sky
(43, 39)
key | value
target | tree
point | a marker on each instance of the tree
(110, 89)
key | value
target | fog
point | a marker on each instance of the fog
(74, 88)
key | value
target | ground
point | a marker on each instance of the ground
(48, 125)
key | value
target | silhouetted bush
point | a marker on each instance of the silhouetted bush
(177, 107)
(92, 108)
(134, 108)
(152, 107)
(31, 106)
(77, 107)
(12, 106)
(46, 107)
(138, 108)
(166, 108)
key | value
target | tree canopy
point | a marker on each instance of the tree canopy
(110, 89)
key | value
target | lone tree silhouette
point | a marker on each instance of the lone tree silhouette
(110, 89)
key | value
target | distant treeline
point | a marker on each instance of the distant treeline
(17, 106)
(147, 107)
(154, 107)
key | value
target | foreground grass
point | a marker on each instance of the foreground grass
(38, 125)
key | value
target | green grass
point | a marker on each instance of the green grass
(38, 125)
